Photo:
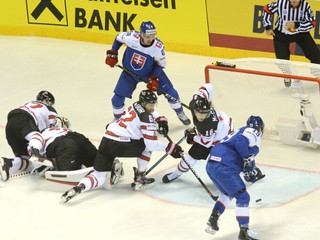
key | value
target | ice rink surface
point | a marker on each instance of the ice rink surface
(82, 84)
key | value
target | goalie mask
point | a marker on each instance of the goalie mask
(46, 97)
(62, 122)
(256, 122)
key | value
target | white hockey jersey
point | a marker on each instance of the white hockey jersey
(44, 116)
(135, 124)
(140, 59)
(205, 91)
(50, 134)
(224, 128)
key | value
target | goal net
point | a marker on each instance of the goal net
(256, 87)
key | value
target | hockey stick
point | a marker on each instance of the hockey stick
(164, 156)
(146, 81)
(214, 198)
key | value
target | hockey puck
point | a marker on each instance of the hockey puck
(259, 200)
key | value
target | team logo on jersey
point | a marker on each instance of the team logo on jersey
(137, 61)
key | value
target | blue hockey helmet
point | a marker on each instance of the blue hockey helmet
(147, 28)
(46, 96)
(256, 122)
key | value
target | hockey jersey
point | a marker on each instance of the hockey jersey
(236, 146)
(50, 134)
(44, 116)
(213, 129)
(142, 60)
(136, 123)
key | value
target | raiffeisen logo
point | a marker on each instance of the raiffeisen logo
(47, 12)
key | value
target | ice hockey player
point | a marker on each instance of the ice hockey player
(23, 132)
(133, 135)
(233, 155)
(145, 57)
(68, 150)
(210, 127)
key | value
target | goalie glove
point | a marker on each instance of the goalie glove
(163, 127)
(153, 83)
(112, 58)
(189, 135)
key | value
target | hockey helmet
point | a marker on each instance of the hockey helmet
(147, 96)
(201, 105)
(256, 122)
(147, 28)
(46, 96)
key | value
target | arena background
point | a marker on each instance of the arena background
(228, 29)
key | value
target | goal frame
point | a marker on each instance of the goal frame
(263, 73)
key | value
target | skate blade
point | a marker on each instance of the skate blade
(66, 197)
(210, 230)
(138, 187)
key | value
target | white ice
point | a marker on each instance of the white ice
(76, 74)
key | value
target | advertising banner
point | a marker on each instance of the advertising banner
(177, 21)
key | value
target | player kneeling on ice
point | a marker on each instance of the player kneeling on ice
(23, 133)
(133, 135)
(211, 126)
(234, 155)
(64, 150)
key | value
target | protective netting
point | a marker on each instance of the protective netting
(243, 94)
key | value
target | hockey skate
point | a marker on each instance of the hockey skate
(140, 180)
(183, 118)
(68, 195)
(212, 224)
(246, 234)
(117, 171)
(169, 177)
(287, 82)
(5, 165)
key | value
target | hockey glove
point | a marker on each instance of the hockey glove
(112, 58)
(163, 127)
(189, 135)
(174, 150)
(248, 163)
(153, 83)
(250, 176)
(259, 174)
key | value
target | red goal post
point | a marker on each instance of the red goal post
(248, 71)
(255, 87)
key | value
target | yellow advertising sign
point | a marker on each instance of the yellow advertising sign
(177, 21)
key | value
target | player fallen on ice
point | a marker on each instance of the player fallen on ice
(234, 155)
(133, 135)
(144, 57)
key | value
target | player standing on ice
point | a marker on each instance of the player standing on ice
(210, 127)
(145, 57)
(233, 155)
(23, 132)
(133, 135)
